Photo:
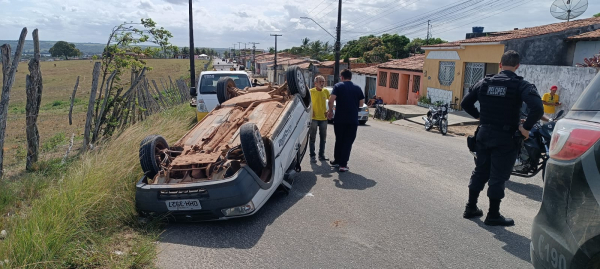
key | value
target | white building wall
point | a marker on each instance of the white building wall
(571, 81)
(585, 49)
(439, 95)
(360, 80)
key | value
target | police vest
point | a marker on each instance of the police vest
(500, 102)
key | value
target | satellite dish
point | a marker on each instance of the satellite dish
(568, 9)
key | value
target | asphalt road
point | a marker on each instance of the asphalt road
(400, 206)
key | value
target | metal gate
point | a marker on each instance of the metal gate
(371, 86)
(474, 72)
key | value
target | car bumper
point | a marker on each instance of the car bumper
(363, 116)
(214, 197)
(565, 231)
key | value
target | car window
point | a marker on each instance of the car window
(590, 98)
(208, 82)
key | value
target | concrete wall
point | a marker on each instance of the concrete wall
(439, 95)
(360, 80)
(550, 49)
(571, 81)
(585, 49)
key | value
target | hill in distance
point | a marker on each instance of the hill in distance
(85, 48)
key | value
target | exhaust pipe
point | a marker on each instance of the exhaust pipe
(426, 120)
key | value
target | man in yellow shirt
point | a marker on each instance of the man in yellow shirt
(319, 96)
(551, 101)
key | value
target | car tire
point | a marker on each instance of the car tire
(151, 155)
(222, 85)
(362, 122)
(253, 147)
(295, 81)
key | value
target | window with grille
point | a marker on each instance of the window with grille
(446, 74)
(394, 80)
(416, 83)
(382, 78)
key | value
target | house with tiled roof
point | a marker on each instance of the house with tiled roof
(365, 78)
(586, 45)
(399, 81)
(450, 69)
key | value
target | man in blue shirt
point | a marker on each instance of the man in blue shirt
(348, 98)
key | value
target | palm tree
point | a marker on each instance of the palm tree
(305, 44)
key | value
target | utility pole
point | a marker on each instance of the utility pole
(254, 56)
(275, 64)
(336, 68)
(428, 32)
(192, 65)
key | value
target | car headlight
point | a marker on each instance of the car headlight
(366, 109)
(239, 210)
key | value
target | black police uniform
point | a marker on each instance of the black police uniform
(500, 97)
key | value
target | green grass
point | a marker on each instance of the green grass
(77, 215)
(54, 141)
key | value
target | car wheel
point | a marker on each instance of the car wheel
(152, 153)
(222, 86)
(362, 122)
(253, 147)
(295, 81)
(444, 126)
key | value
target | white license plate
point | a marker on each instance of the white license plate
(187, 204)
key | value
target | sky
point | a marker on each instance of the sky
(221, 24)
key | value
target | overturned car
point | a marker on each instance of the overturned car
(231, 162)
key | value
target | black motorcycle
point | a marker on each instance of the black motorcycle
(534, 152)
(437, 116)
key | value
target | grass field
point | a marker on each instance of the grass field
(79, 214)
(59, 80)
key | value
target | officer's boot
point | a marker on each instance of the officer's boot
(471, 210)
(494, 218)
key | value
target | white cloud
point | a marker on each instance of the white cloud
(219, 23)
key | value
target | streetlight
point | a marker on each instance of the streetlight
(336, 67)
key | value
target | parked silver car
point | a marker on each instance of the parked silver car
(363, 112)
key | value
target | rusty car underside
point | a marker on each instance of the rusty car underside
(211, 150)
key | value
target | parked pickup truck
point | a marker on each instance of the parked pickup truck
(231, 162)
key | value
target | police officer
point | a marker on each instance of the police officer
(500, 98)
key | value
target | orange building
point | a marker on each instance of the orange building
(399, 81)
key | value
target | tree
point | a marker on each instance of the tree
(377, 55)
(415, 45)
(197, 51)
(121, 54)
(597, 15)
(271, 50)
(395, 45)
(185, 50)
(63, 48)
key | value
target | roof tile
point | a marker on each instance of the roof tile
(524, 33)
(412, 63)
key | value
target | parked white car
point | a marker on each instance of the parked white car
(206, 99)
(232, 161)
(363, 112)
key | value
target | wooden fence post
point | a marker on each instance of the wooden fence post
(99, 120)
(34, 89)
(73, 100)
(89, 116)
(8, 78)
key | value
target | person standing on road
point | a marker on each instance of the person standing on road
(500, 97)
(319, 119)
(551, 101)
(348, 97)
